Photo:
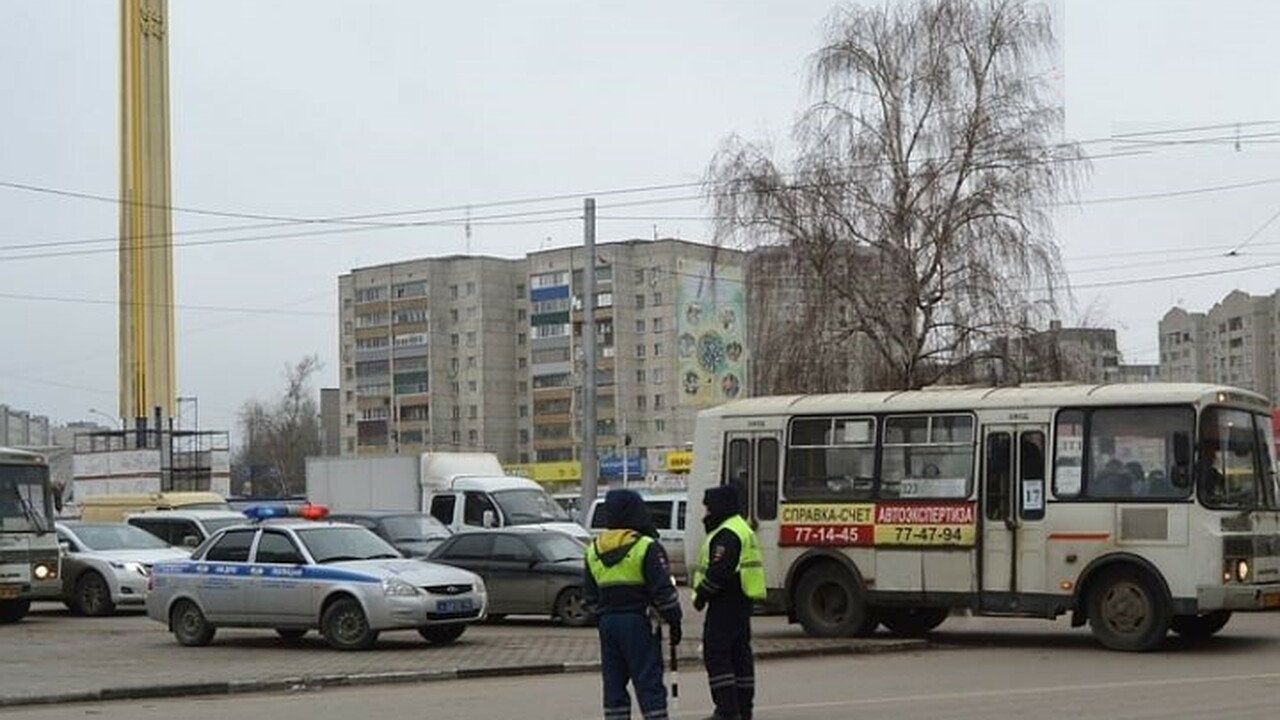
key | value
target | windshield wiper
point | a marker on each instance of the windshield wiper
(34, 518)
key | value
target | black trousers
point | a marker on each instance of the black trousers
(726, 652)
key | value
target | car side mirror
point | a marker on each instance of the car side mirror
(489, 519)
(190, 542)
(64, 546)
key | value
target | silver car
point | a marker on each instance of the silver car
(107, 564)
(300, 575)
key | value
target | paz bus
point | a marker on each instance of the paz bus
(1137, 508)
(29, 554)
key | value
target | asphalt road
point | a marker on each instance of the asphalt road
(977, 669)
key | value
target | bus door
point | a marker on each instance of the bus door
(1011, 559)
(753, 465)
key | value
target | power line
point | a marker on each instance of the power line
(204, 308)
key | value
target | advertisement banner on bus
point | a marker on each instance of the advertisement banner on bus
(878, 524)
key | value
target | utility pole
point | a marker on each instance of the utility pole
(590, 466)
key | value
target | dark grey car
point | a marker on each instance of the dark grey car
(528, 571)
(414, 534)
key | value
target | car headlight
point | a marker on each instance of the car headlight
(396, 587)
(130, 567)
(1242, 570)
(41, 571)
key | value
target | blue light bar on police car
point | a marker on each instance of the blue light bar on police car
(266, 512)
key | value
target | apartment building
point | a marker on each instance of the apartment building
(428, 352)
(470, 353)
(671, 339)
(1234, 343)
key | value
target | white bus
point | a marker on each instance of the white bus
(1137, 508)
(29, 556)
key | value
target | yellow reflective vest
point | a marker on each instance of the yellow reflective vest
(750, 567)
(629, 571)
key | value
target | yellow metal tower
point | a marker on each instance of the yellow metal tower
(147, 365)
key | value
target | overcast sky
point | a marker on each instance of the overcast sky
(322, 108)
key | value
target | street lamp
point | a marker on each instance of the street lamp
(114, 420)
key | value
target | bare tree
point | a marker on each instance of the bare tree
(278, 437)
(920, 193)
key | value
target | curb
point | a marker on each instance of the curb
(338, 680)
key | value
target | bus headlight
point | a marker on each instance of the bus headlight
(42, 571)
(1242, 570)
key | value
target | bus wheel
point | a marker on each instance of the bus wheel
(829, 603)
(912, 622)
(1200, 627)
(11, 611)
(1126, 611)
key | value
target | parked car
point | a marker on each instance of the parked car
(113, 507)
(529, 571)
(298, 575)
(668, 511)
(185, 528)
(105, 565)
(414, 534)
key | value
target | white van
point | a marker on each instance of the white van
(668, 511)
(474, 503)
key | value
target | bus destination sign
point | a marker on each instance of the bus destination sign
(878, 524)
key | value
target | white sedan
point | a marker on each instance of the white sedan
(107, 564)
(298, 575)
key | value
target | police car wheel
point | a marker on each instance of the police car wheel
(345, 626)
(442, 634)
(189, 625)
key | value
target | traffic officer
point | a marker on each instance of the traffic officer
(628, 586)
(727, 581)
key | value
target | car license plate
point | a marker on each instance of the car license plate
(453, 606)
(9, 591)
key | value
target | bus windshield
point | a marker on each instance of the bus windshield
(24, 499)
(1234, 464)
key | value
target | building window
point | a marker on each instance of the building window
(521, 315)
(472, 412)
(471, 288)
(453, 292)
(471, 339)
(519, 290)
(351, 418)
(639, 302)
(657, 298)
(657, 376)
(471, 386)
(524, 439)
(642, 402)
(640, 350)
(453, 339)
(522, 362)
(520, 339)
(455, 412)
(657, 324)
(473, 438)
(657, 349)
(638, 275)
(640, 376)
(453, 364)
(454, 386)
(640, 325)
(453, 316)
(657, 402)
(660, 425)
(522, 386)
(522, 411)
(471, 362)
(456, 437)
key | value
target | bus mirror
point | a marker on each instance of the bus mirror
(1181, 450)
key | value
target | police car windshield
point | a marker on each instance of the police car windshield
(529, 506)
(342, 544)
(410, 528)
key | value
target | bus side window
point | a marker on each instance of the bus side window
(767, 477)
(1031, 474)
(997, 476)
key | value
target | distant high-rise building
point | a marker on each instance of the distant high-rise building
(1234, 343)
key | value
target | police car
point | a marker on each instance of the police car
(296, 574)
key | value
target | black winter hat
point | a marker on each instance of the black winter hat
(625, 509)
(721, 501)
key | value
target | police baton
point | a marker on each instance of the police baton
(675, 675)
